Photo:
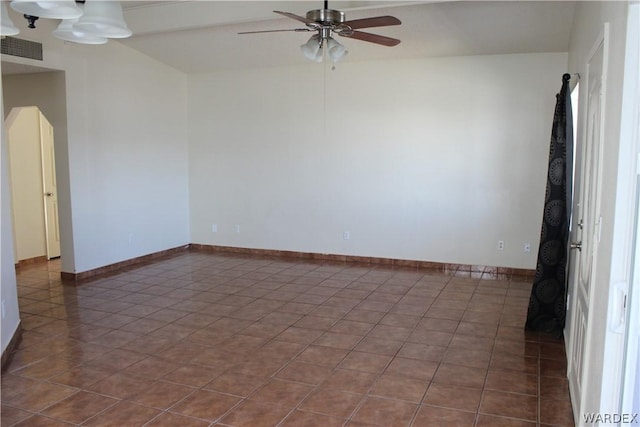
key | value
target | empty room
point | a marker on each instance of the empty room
(311, 213)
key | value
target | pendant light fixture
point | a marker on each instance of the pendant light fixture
(7, 28)
(88, 22)
(66, 32)
(103, 19)
(60, 9)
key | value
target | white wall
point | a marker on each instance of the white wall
(601, 387)
(9, 313)
(127, 156)
(125, 153)
(428, 159)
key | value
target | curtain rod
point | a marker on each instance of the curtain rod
(567, 77)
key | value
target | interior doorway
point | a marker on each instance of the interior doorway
(33, 182)
(25, 86)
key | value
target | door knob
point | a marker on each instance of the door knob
(575, 245)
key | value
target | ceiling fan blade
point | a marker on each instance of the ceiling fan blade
(296, 17)
(372, 38)
(378, 21)
(276, 31)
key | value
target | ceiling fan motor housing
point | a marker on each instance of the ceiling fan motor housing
(326, 16)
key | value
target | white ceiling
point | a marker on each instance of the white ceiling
(198, 36)
(201, 36)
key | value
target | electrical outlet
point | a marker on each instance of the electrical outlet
(3, 314)
(214, 228)
(130, 238)
(346, 235)
(501, 245)
(527, 247)
(237, 228)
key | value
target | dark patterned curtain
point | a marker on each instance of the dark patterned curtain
(547, 304)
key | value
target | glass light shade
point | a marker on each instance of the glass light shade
(312, 49)
(60, 9)
(6, 25)
(103, 19)
(335, 50)
(66, 32)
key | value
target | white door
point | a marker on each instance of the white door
(50, 189)
(586, 223)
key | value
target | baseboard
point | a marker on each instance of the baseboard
(119, 266)
(7, 354)
(460, 269)
(479, 271)
(31, 261)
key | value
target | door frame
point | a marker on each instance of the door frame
(47, 173)
(49, 182)
(626, 347)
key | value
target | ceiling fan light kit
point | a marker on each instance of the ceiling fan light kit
(95, 23)
(336, 50)
(326, 22)
(315, 48)
(311, 49)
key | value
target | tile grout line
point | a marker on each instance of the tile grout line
(237, 268)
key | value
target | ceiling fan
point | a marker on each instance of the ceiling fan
(326, 22)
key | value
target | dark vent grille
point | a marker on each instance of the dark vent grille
(22, 48)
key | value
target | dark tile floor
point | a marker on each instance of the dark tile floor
(209, 339)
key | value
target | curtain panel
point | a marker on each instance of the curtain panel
(547, 303)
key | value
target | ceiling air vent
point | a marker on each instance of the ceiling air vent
(22, 48)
